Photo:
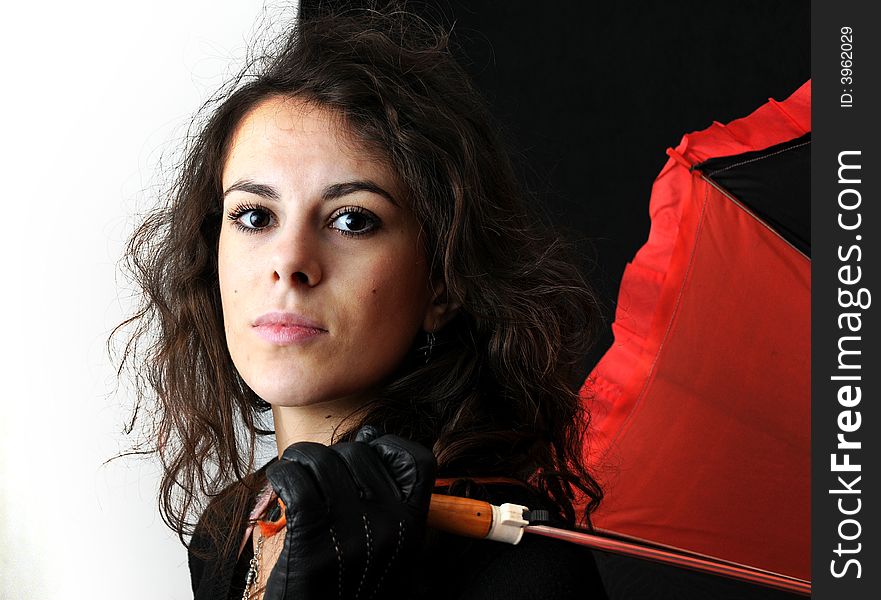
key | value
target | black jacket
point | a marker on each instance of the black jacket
(451, 567)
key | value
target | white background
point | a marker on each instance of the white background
(92, 93)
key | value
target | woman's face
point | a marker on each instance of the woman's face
(323, 280)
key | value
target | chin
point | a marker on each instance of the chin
(290, 394)
(287, 397)
(281, 385)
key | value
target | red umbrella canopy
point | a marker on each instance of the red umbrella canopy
(701, 407)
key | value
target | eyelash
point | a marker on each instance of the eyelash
(236, 213)
(373, 221)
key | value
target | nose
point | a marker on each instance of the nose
(296, 256)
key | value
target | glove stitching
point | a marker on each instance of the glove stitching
(369, 542)
(339, 557)
(391, 560)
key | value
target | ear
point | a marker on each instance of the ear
(440, 310)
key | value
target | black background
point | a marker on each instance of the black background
(591, 94)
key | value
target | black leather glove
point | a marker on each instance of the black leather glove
(356, 514)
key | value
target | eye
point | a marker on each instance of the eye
(250, 218)
(354, 220)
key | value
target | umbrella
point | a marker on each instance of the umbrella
(701, 407)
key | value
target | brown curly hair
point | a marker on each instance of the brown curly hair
(500, 395)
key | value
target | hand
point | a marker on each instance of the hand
(355, 514)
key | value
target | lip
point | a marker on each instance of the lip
(286, 328)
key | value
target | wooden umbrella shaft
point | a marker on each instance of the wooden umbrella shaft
(460, 516)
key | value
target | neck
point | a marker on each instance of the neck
(313, 423)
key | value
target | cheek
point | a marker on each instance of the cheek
(394, 294)
(223, 263)
(232, 280)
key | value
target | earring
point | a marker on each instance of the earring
(428, 347)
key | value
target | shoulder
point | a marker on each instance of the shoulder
(537, 567)
(211, 550)
(214, 546)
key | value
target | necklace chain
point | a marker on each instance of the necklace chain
(253, 571)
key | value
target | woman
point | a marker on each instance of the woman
(346, 245)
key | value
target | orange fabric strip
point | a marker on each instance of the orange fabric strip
(270, 528)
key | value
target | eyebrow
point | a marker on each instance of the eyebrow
(331, 192)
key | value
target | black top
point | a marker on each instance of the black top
(451, 566)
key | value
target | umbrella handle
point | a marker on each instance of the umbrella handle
(476, 519)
